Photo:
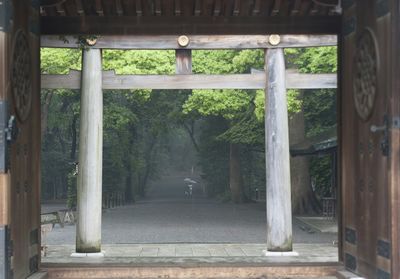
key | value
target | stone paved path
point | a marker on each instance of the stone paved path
(167, 216)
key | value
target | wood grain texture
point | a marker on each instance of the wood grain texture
(395, 144)
(257, 80)
(366, 172)
(189, 25)
(5, 199)
(196, 42)
(278, 193)
(183, 61)
(4, 56)
(23, 190)
(89, 182)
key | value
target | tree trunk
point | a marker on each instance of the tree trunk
(191, 130)
(303, 198)
(45, 112)
(74, 138)
(235, 174)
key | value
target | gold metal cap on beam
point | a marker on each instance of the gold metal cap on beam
(274, 40)
(183, 41)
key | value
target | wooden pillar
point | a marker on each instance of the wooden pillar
(88, 232)
(183, 61)
(278, 197)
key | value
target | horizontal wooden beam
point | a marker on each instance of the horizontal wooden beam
(196, 42)
(191, 81)
(189, 25)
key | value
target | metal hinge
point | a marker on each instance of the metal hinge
(8, 134)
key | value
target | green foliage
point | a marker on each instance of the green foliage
(214, 156)
(226, 103)
(59, 61)
(319, 107)
(139, 62)
(313, 60)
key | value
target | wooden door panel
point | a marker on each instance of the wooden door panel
(366, 64)
(20, 88)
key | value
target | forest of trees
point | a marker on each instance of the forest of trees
(222, 129)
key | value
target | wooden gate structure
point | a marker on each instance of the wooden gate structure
(368, 101)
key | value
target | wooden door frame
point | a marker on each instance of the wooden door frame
(394, 193)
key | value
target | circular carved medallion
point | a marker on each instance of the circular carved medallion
(183, 41)
(21, 76)
(365, 79)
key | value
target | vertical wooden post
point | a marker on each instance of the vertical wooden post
(183, 61)
(278, 197)
(88, 230)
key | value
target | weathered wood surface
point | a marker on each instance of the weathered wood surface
(257, 80)
(196, 42)
(23, 190)
(189, 25)
(395, 144)
(367, 173)
(89, 191)
(277, 159)
(183, 61)
(5, 199)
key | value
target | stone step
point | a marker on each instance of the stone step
(194, 272)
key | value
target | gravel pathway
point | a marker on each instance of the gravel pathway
(168, 216)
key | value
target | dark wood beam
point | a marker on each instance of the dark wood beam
(196, 42)
(205, 25)
(190, 81)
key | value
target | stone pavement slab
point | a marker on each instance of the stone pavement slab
(200, 253)
(320, 224)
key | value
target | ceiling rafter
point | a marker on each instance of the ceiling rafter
(99, 8)
(60, 9)
(276, 7)
(296, 8)
(217, 8)
(139, 9)
(236, 8)
(197, 7)
(157, 8)
(118, 8)
(257, 7)
(177, 7)
(130, 9)
(79, 7)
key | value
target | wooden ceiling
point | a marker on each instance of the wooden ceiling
(190, 16)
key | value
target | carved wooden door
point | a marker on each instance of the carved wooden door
(20, 167)
(369, 137)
